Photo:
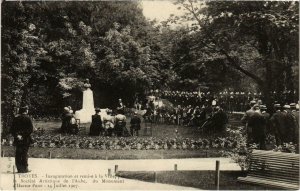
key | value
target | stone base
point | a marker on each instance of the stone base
(85, 116)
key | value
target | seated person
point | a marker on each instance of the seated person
(96, 125)
(121, 106)
(217, 122)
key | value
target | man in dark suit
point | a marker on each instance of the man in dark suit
(295, 113)
(290, 124)
(249, 112)
(277, 123)
(96, 125)
(245, 119)
(135, 125)
(258, 124)
(21, 130)
(266, 115)
(65, 120)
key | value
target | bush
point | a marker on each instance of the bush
(241, 151)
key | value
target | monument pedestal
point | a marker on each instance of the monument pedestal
(88, 109)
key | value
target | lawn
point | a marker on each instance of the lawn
(74, 153)
(65, 146)
(198, 179)
(158, 130)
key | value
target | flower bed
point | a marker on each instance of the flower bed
(126, 143)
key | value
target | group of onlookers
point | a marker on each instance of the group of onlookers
(228, 100)
(114, 125)
(283, 124)
(206, 117)
(110, 124)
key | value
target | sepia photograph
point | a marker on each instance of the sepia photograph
(149, 95)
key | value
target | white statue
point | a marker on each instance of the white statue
(88, 109)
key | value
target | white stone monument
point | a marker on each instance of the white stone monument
(88, 109)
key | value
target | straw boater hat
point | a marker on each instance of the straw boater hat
(286, 107)
(255, 106)
(263, 107)
(66, 110)
(277, 105)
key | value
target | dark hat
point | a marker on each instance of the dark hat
(23, 109)
(97, 109)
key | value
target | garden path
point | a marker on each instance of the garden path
(40, 167)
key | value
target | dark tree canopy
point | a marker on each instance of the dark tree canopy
(257, 41)
(50, 48)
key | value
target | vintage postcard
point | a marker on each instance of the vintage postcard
(149, 95)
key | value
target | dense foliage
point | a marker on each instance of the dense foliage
(50, 48)
(256, 40)
(241, 152)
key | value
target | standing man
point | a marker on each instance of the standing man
(290, 124)
(120, 125)
(266, 116)
(277, 124)
(64, 120)
(96, 125)
(21, 130)
(257, 123)
(295, 113)
(248, 114)
(135, 125)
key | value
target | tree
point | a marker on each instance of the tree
(257, 39)
(50, 48)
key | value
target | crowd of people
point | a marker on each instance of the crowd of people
(110, 124)
(207, 117)
(202, 116)
(228, 100)
(283, 124)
